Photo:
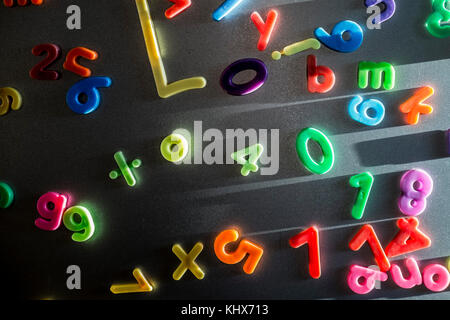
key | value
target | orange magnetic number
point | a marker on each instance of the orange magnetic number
(254, 251)
(414, 106)
(72, 65)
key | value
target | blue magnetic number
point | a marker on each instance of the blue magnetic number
(225, 8)
(336, 42)
(358, 110)
(89, 88)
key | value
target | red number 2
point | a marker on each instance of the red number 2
(53, 53)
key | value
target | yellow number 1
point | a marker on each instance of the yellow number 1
(165, 90)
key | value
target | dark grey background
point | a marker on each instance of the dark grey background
(46, 147)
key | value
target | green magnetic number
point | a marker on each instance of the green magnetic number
(327, 161)
(6, 195)
(86, 224)
(376, 69)
(438, 22)
(253, 152)
(363, 181)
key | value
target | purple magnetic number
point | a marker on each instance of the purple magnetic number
(226, 79)
(388, 12)
(416, 186)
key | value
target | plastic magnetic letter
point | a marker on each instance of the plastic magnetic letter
(363, 181)
(265, 29)
(416, 186)
(367, 233)
(86, 224)
(188, 261)
(311, 237)
(142, 285)
(387, 13)
(254, 251)
(414, 106)
(253, 153)
(6, 195)
(327, 161)
(174, 148)
(125, 168)
(164, 89)
(336, 40)
(447, 136)
(358, 109)
(408, 239)
(376, 69)
(50, 207)
(53, 53)
(72, 65)
(226, 79)
(88, 87)
(9, 97)
(178, 7)
(438, 22)
(315, 72)
(225, 8)
(370, 277)
(297, 47)
(429, 275)
(414, 279)
(10, 3)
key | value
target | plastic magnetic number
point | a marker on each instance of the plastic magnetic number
(71, 63)
(89, 87)
(327, 161)
(226, 79)
(39, 72)
(377, 69)
(314, 72)
(86, 224)
(414, 279)
(367, 233)
(6, 195)
(174, 148)
(435, 23)
(416, 186)
(165, 90)
(311, 237)
(225, 8)
(358, 110)
(10, 3)
(370, 277)
(50, 207)
(253, 153)
(363, 181)
(141, 285)
(408, 239)
(336, 41)
(178, 7)
(443, 278)
(264, 28)
(387, 13)
(7, 94)
(245, 247)
(414, 106)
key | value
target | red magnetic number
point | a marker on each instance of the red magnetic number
(72, 65)
(311, 237)
(367, 233)
(53, 53)
(408, 239)
(178, 7)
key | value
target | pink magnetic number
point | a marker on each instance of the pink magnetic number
(415, 278)
(443, 278)
(369, 275)
(416, 186)
(51, 207)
